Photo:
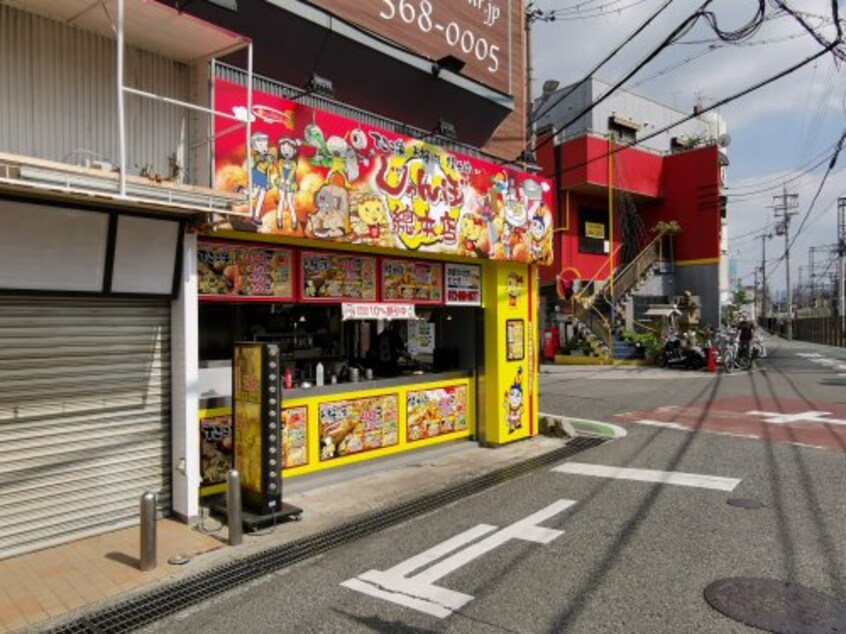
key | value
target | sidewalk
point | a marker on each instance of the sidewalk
(52, 586)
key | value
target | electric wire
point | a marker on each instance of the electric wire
(546, 107)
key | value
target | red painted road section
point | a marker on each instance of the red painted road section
(792, 421)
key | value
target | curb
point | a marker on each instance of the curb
(582, 427)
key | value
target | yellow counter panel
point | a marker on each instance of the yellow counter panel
(350, 425)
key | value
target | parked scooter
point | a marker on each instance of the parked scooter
(682, 354)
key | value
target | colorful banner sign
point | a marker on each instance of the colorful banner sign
(237, 271)
(410, 281)
(215, 448)
(337, 276)
(463, 284)
(356, 425)
(436, 412)
(378, 311)
(294, 437)
(319, 175)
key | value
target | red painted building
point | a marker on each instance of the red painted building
(610, 199)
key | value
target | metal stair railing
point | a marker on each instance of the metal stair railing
(633, 272)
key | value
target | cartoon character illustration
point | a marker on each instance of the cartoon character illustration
(333, 210)
(343, 163)
(359, 144)
(327, 449)
(470, 231)
(540, 236)
(261, 163)
(514, 403)
(287, 153)
(513, 288)
(313, 137)
(369, 220)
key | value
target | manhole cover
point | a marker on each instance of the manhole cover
(746, 503)
(776, 606)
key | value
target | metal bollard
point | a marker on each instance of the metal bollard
(148, 531)
(233, 508)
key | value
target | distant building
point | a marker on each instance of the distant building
(669, 180)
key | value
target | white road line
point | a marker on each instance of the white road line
(659, 423)
(649, 475)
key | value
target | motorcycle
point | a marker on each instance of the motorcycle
(678, 354)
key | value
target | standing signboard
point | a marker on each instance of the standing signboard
(256, 403)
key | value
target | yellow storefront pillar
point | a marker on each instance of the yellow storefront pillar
(509, 401)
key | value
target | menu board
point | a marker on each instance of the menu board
(236, 271)
(514, 340)
(355, 425)
(410, 281)
(463, 284)
(294, 435)
(215, 448)
(436, 412)
(333, 277)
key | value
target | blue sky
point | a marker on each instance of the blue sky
(777, 133)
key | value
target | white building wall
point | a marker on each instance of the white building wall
(651, 115)
(184, 348)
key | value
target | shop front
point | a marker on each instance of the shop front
(394, 281)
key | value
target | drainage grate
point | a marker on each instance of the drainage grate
(171, 598)
(745, 503)
(777, 606)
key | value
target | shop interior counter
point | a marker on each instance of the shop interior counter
(345, 387)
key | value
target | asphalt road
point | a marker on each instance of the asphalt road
(614, 555)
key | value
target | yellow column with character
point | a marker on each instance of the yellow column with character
(510, 377)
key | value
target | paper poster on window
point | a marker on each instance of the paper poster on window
(463, 284)
(436, 412)
(514, 340)
(355, 425)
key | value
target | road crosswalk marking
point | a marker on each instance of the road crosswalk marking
(649, 475)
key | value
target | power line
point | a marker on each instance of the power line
(622, 146)
(544, 108)
(730, 36)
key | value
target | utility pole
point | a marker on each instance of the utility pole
(841, 251)
(764, 238)
(785, 208)
(533, 14)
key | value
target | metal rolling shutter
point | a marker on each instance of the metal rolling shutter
(84, 416)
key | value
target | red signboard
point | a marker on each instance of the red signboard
(321, 176)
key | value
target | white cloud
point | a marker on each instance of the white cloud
(775, 129)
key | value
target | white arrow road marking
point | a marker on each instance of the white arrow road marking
(777, 418)
(649, 475)
(419, 591)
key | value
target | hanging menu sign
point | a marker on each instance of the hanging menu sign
(329, 277)
(463, 284)
(412, 281)
(244, 272)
